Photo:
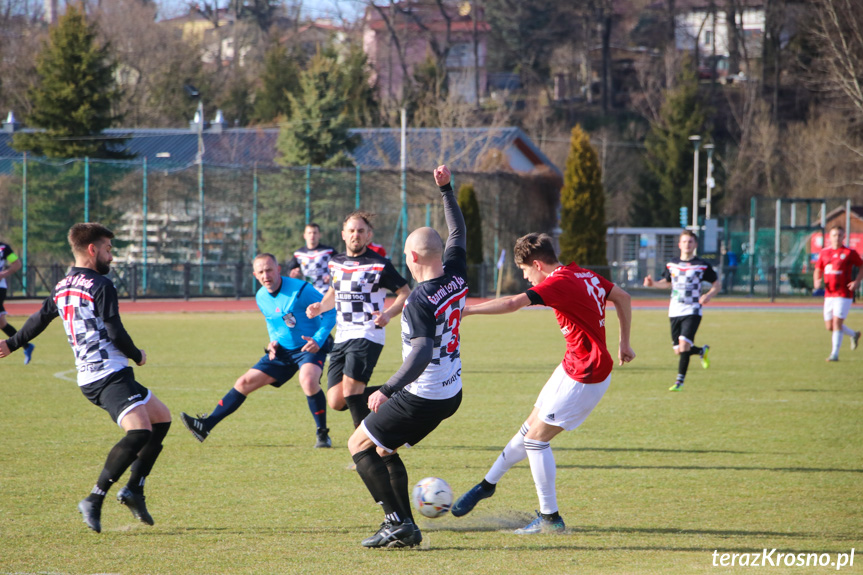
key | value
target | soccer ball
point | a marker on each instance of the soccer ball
(432, 497)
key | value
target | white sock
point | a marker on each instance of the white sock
(544, 471)
(848, 331)
(512, 453)
(837, 343)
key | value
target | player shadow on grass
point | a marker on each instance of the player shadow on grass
(715, 468)
(614, 449)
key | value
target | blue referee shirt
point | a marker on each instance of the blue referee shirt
(285, 313)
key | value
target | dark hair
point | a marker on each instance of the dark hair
(534, 247)
(836, 227)
(266, 255)
(313, 225)
(367, 217)
(689, 233)
(82, 235)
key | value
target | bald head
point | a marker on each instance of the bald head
(426, 242)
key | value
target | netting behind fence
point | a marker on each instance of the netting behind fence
(210, 217)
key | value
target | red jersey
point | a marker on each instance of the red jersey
(377, 248)
(578, 297)
(836, 267)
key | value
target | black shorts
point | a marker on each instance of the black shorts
(405, 419)
(117, 393)
(355, 358)
(2, 299)
(684, 326)
(288, 362)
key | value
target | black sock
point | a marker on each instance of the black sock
(551, 516)
(318, 407)
(120, 458)
(143, 465)
(226, 406)
(370, 389)
(9, 330)
(488, 486)
(359, 406)
(682, 366)
(373, 471)
(399, 482)
(694, 350)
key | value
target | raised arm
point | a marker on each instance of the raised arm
(452, 212)
(623, 307)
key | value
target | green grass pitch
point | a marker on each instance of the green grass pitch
(763, 450)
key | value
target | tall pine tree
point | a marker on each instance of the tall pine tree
(279, 79)
(74, 94)
(316, 132)
(667, 184)
(582, 202)
(473, 222)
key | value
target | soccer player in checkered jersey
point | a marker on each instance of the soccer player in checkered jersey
(10, 264)
(578, 297)
(297, 345)
(835, 267)
(427, 388)
(312, 260)
(359, 278)
(87, 303)
(684, 275)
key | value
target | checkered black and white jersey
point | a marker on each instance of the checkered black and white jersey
(434, 310)
(686, 278)
(82, 299)
(314, 264)
(359, 284)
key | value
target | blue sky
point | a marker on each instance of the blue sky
(311, 8)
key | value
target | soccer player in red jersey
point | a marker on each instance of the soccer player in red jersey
(578, 297)
(835, 267)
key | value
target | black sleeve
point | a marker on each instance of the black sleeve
(292, 264)
(454, 219)
(666, 274)
(414, 364)
(534, 297)
(107, 306)
(391, 278)
(34, 325)
(710, 274)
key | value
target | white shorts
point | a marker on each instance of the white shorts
(565, 402)
(836, 307)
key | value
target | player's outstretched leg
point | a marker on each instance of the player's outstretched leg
(468, 501)
(195, 425)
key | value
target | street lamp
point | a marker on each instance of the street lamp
(697, 141)
(194, 94)
(711, 183)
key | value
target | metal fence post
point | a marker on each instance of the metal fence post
(133, 282)
(238, 280)
(187, 277)
(86, 189)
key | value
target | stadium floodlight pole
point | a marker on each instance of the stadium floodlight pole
(697, 141)
(711, 183)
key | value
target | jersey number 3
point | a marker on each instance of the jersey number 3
(453, 322)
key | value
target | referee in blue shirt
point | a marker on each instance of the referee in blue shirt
(297, 343)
